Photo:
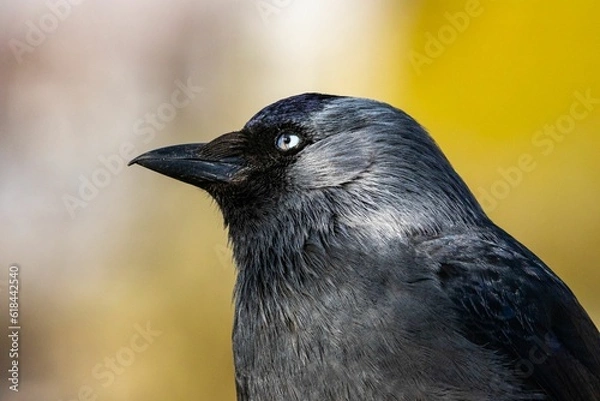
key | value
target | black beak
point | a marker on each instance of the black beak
(191, 163)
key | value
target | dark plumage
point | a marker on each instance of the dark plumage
(368, 271)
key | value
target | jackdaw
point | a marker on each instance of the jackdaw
(368, 271)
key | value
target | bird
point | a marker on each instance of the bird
(367, 270)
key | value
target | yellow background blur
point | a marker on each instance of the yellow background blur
(509, 89)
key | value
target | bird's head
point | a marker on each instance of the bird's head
(327, 163)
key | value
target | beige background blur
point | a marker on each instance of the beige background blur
(126, 286)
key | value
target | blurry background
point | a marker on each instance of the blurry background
(126, 278)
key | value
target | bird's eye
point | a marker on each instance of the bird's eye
(286, 142)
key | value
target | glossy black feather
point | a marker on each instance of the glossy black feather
(513, 304)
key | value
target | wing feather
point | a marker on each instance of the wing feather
(514, 304)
